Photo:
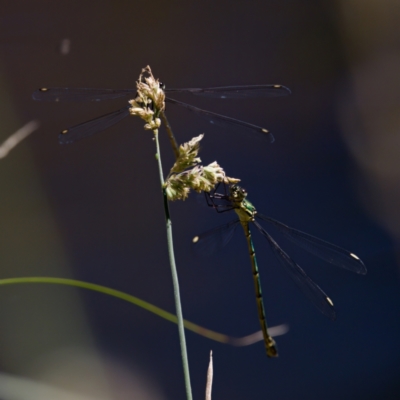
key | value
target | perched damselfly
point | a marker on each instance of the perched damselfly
(98, 124)
(218, 237)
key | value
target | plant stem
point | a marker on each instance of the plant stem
(210, 373)
(175, 281)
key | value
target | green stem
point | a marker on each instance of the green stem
(212, 335)
(175, 281)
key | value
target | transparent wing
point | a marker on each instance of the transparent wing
(237, 92)
(81, 94)
(93, 94)
(320, 248)
(213, 240)
(93, 126)
(224, 121)
(302, 280)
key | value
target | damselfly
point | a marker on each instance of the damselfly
(98, 124)
(220, 236)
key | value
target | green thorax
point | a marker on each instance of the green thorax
(244, 209)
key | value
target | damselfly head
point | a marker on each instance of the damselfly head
(237, 192)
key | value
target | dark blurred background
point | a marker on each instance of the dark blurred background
(93, 210)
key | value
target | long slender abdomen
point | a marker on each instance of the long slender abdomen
(270, 344)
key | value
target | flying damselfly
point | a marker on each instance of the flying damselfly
(236, 199)
(98, 124)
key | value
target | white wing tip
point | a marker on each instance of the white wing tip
(354, 256)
